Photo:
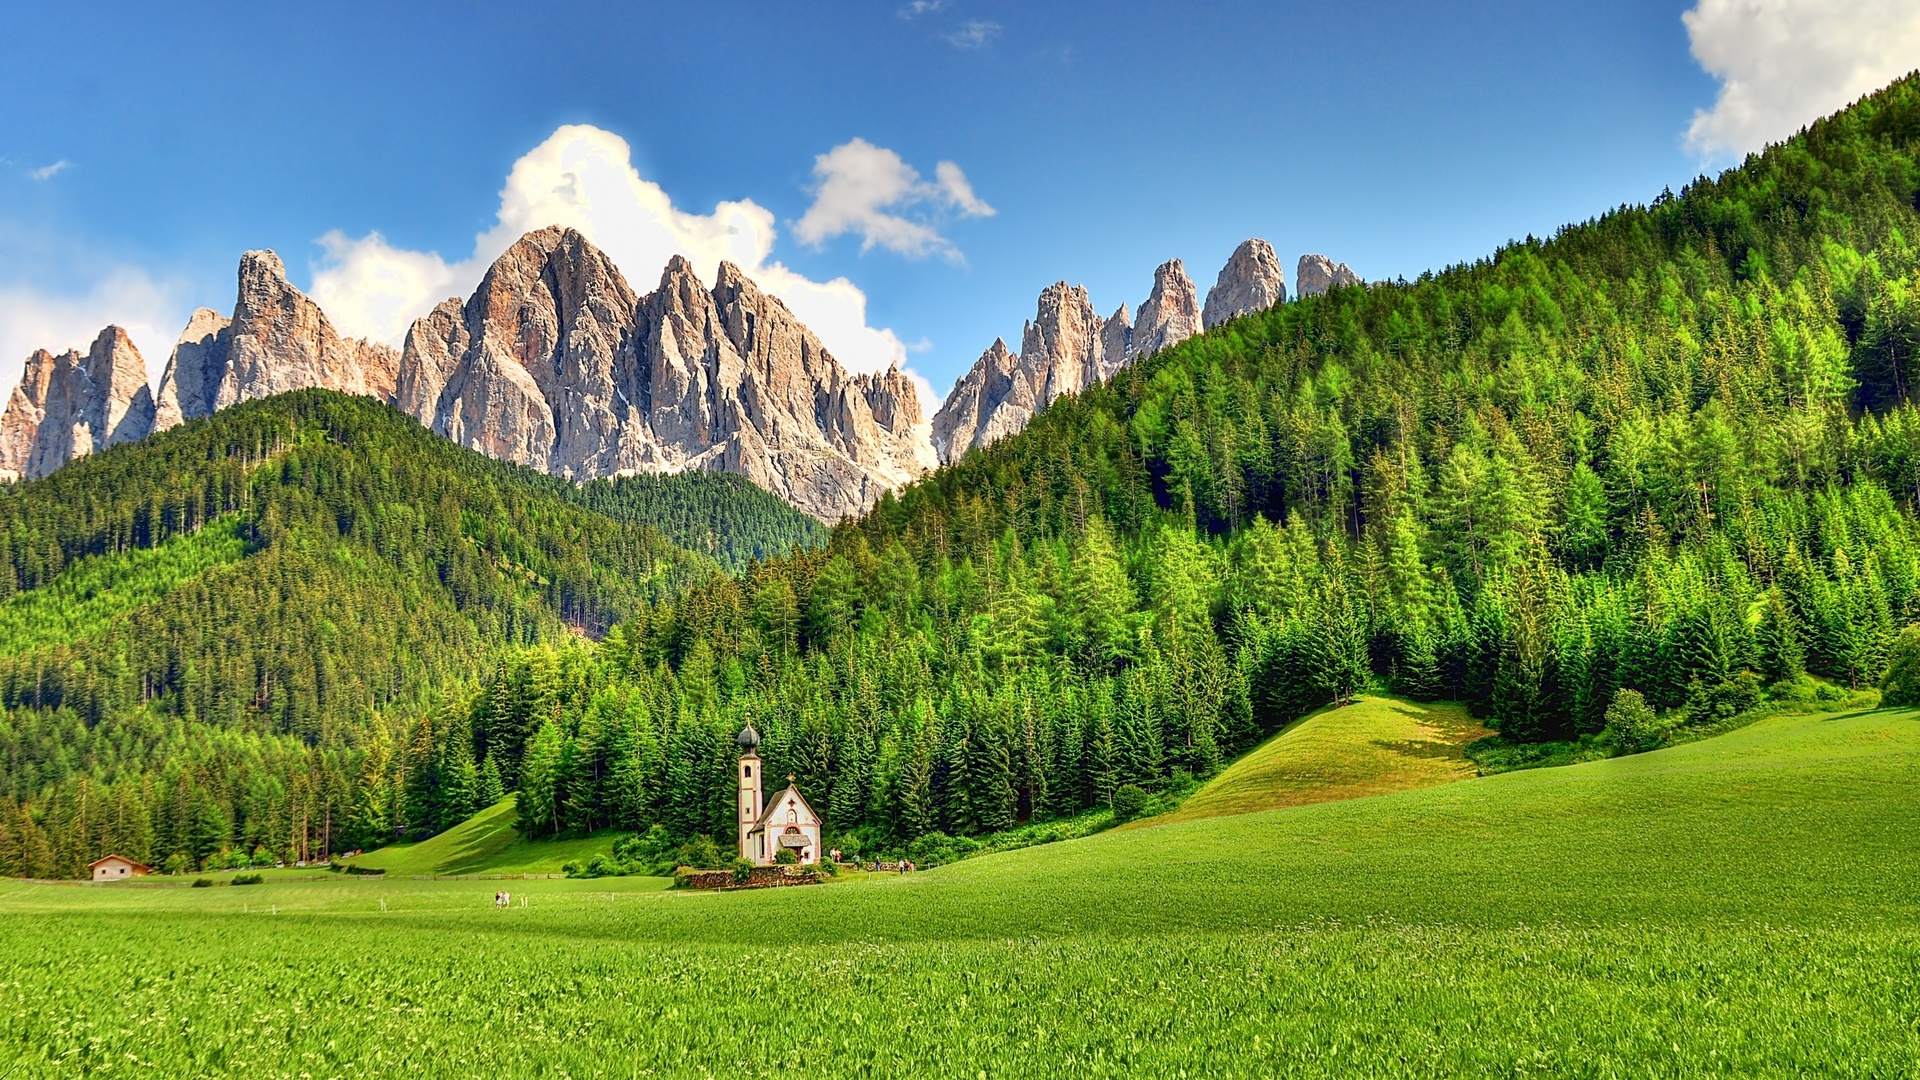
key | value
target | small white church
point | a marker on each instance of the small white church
(766, 826)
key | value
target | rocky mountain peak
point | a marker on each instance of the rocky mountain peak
(1061, 344)
(1171, 313)
(1315, 274)
(277, 340)
(195, 370)
(70, 405)
(557, 364)
(1116, 341)
(1251, 281)
(994, 398)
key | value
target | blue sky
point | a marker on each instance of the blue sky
(144, 149)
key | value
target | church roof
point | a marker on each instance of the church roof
(806, 809)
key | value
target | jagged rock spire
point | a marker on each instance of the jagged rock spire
(1251, 281)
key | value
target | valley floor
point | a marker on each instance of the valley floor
(1746, 905)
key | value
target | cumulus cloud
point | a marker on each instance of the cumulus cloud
(1784, 63)
(48, 172)
(150, 310)
(974, 34)
(917, 8)
(583, 177)
(867, 189)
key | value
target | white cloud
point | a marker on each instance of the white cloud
(862, 188)
(974, 34)
(152, 312)
(583, 177)
(1784, 63)
(369, 288)
(48, 172)
(918, 8)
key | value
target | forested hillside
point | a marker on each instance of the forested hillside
(1671, 449)
(718, 514)
(206, 638)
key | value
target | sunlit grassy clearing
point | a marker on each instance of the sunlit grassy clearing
(1372, 746)
(1745, 905)
(93, 592)
(485, 843)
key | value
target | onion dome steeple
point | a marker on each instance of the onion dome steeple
(749, 739)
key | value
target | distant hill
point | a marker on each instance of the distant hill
(216, 624)
(717, 514)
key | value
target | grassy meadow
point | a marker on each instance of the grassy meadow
(1746, 905)
(1373, 746)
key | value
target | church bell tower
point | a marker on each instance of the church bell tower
(751, 798)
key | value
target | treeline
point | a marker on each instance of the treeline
(719, 514)
(1672, 449)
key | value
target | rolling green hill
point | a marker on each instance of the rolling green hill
(1744, 905)
(217, 638)
(1373, 746)
(485, 843)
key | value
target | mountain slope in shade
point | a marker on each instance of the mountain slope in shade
(378, 564)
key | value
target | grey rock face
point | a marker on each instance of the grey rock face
(277, 340)
(1063, 350)
(557, 364)
(1315, 274)
(195, 369)
(20, 424)
(1170, 315)
(1116, 341)
(1251, 281)
(994, 398)
(1060, 346)
(71, 405)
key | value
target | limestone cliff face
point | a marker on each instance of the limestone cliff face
(1061, 345)
(20, 424)
(1251, 281)
(71, 405)
(277, 340)
(1316, 274)
(1171, 314)
(1064, 349)
(556, 363)
(994, 398)
(194, 370)
(1116, 341)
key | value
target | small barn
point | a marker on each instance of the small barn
(117, 868)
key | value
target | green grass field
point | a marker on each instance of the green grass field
(1373, 746)
(485, 843)
(1746, 905)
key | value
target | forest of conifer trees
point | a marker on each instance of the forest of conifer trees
(1671, 450)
